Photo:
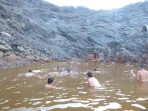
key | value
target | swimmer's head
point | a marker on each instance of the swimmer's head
(142, 66)
(29, 70)
(50, 80)
(89, 74)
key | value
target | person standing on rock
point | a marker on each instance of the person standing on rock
(142, 75)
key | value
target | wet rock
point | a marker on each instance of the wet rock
(146, 44)
(4, 48)
(30, 58)
(1, 54)
(145, 58)
(20, 49)
(7, 53)
(121, 59)
(125, 55)
(5, 34)
(8, 46)
(2, 42)
(101, 57)
(13, 58)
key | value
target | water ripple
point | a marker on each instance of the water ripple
(64, 100)
(6, 101)
(138, 106)
(63, 106)
(59, 106)
(112, 105)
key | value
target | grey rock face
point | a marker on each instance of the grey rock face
(1, 54)
(37, 29)
(4, 48)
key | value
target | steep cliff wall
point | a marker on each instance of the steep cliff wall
(35, 30)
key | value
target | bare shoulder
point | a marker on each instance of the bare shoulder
(138, 72)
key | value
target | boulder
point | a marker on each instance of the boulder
(2, 42)
(146, 44)
(8, 46)
(5, 33)
(13, 57)
(20, 49)
(124, 55)
(30, 58)
(3, 48)
(1, 54)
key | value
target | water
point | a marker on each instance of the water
(119, 91)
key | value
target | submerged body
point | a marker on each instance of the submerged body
(49, 83)
(29, 74)
(49, 86)
(142, 75)
(37, 70)
(93, 82)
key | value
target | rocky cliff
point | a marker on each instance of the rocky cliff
(33, 30)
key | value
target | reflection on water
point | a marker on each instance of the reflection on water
(119, 91)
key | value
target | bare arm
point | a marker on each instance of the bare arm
(138, 76)
(90, 82)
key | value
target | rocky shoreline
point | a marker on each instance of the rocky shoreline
(6, 65)
(11, 63)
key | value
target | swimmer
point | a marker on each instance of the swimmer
(36, 70)
(66, 72)
(57, 69)
(92, 80)
(49, 83)
(95, 70)
(142, 75)
(29, 74)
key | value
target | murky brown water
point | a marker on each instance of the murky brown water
(119, 91)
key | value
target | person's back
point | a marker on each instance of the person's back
(92, 80)
(142, 75)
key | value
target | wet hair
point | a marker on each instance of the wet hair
(142, 66)
(50, 80)
(89, 74)
(29, 70)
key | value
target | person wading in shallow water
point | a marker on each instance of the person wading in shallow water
(92, 80)
(29, 74)
(142, 75)
(49, 83)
